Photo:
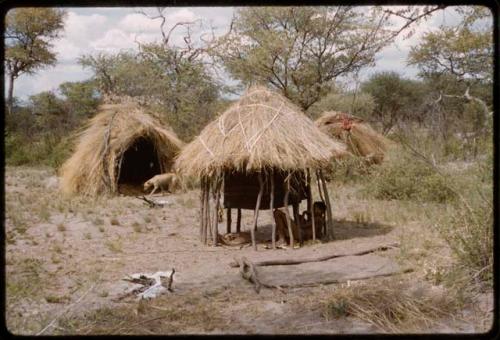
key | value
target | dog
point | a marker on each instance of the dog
(168, 181)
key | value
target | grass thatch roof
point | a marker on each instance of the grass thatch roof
(261, 130)
(93, 167)
(361, 139)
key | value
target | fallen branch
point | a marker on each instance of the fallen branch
(318, 259)
(152, 203)
(326, 282)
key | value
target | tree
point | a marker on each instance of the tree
(461, 55)
(359, 104)
(396, 99)
(81, 99)
(300, 51)
(464, 51)
(28, 36)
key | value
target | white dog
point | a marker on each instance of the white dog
(167, 181)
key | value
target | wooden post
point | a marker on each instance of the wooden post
(271, 203)
(228, 218)
(310, 205)
(202, 207)
(296, 217)
(216, 210)
(208, 221)
(319, 186)
(256, 212)
(238, 220)
(287, 213)
(329, 229)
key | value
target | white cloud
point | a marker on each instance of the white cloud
(136, 22)
(114, 40)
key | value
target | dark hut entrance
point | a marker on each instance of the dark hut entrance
(241, 190)
(138, 164)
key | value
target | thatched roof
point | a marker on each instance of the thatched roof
(261, 130)
(93, 167)
(361, 139)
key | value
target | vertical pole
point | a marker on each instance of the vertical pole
(271, 203)
(238, 220)
(287, 213)
(216, 210)
(329, 229)
(319, 186)
(310, 207)
(208, 221)
(256, 212)
(228, 218)
(202, 207)
(296, 217)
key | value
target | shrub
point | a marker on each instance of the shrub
(403, 177)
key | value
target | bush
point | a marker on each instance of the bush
(469, 229)
(403, 177)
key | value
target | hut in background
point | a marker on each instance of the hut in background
(361, 139)
(120, 146)
(260, 153)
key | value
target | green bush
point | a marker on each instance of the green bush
(403, 177)
(469, 234)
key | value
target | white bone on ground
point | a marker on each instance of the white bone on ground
(152, 292)
(155, 276)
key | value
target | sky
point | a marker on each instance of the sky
(111, 30)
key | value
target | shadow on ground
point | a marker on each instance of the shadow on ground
(344, 230)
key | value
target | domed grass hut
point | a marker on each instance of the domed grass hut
(361, 139)
(259, 154)
(121, 147)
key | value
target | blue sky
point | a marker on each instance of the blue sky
(110, 30)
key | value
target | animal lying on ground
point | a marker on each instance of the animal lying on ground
(168, 181)
(319, 209)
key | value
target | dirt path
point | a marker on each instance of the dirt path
(58, 250)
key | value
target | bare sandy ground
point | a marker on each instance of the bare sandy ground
(74, 253)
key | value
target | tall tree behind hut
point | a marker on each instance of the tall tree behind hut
(28, 36)
(301, 51)
(173, 80)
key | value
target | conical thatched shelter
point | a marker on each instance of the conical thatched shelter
(259, 153)
(361, 139)
(121, 145)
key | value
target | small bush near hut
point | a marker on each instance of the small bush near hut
(403, 177)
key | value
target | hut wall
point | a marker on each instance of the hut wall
(241, 190)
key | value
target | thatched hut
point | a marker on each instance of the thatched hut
(260, 154)
(120, 147)
(361, 139)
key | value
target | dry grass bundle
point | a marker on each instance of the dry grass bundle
(261, 130)
(393, 306)
(361, 139)
(95, 165)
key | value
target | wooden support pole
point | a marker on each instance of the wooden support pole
(287, 213)
(329, 225)
(310, 207)
(215, 234)
(238, 220)
(208, 221)
(202, 207)
(228, 218)
(319, 186)
(271, 203)
(256, 212)
(296, 217)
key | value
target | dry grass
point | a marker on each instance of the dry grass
(361, 139)
(92, 169)
(392, 305)
(263, 129)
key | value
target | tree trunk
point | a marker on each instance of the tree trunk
(10, 96)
